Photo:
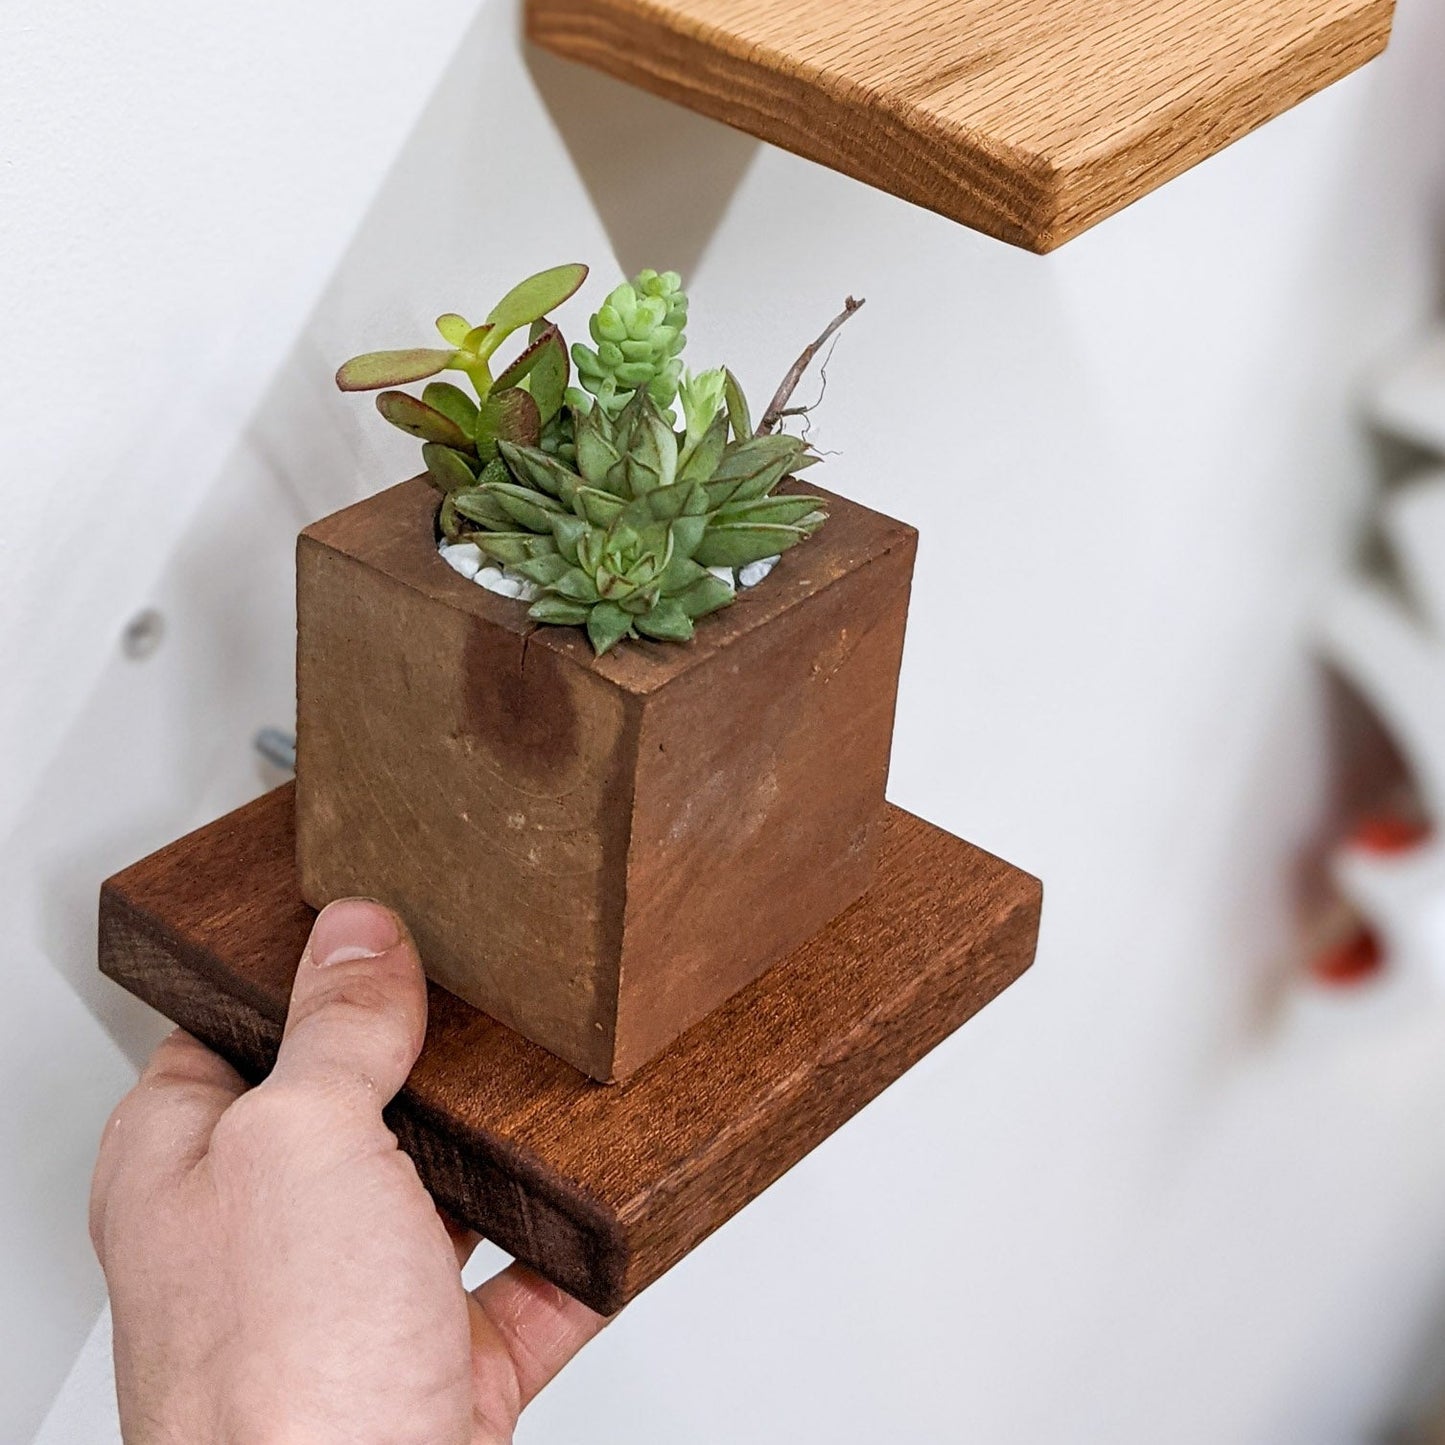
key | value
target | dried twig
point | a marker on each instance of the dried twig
(778, 407)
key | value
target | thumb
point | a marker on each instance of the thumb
(358, 1005)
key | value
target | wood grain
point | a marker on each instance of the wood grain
(571, 838)
(600, 1188)
(1030, 120)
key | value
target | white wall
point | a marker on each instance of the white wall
(1122, 1205)
(176, 184)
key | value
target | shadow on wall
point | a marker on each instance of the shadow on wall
(659, 176)
(165, 738)
(582, 165)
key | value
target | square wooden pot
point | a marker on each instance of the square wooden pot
(595, 851)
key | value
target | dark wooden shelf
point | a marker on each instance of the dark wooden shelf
(600, 1187)
(1028, 119)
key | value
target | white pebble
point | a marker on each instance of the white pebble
(754, 572)
(725, 574)
(496, 580)
(463, 557)
(468, 559)
(528, 590)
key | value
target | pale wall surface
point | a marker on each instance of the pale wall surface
(1123, 1206)
(177, 182)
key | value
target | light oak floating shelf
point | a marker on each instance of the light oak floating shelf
(600, 1187)
(1027, 119)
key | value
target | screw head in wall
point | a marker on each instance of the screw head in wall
(143, 634)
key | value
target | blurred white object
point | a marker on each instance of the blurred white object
(1408, 400)
(1393, 649)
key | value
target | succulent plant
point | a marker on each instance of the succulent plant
(621, 582)
(523, 402)
(624, 542)
(640, 332)
(590, 493)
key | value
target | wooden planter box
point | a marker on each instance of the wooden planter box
(596, 852)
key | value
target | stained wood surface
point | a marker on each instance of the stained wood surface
(572, 839)
(1028, 119)
(601, 1188)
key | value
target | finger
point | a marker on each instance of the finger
(523, 1331)
(358, 1005)
(162, 1127)
(464, 1240)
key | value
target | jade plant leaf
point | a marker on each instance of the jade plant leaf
(520, 369)
(453, 328)
(447, 469)
(530, 300)
(452, 401)
(421, 420)
(479, 341)
(550, 375)
(519, 420)
(391, 368)
(509, 415)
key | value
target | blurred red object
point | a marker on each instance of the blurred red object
(1388, 833)
(1347, 951)
(1355, 958)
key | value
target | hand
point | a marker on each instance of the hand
(277, 1272)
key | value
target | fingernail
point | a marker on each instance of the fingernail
(352, 928)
